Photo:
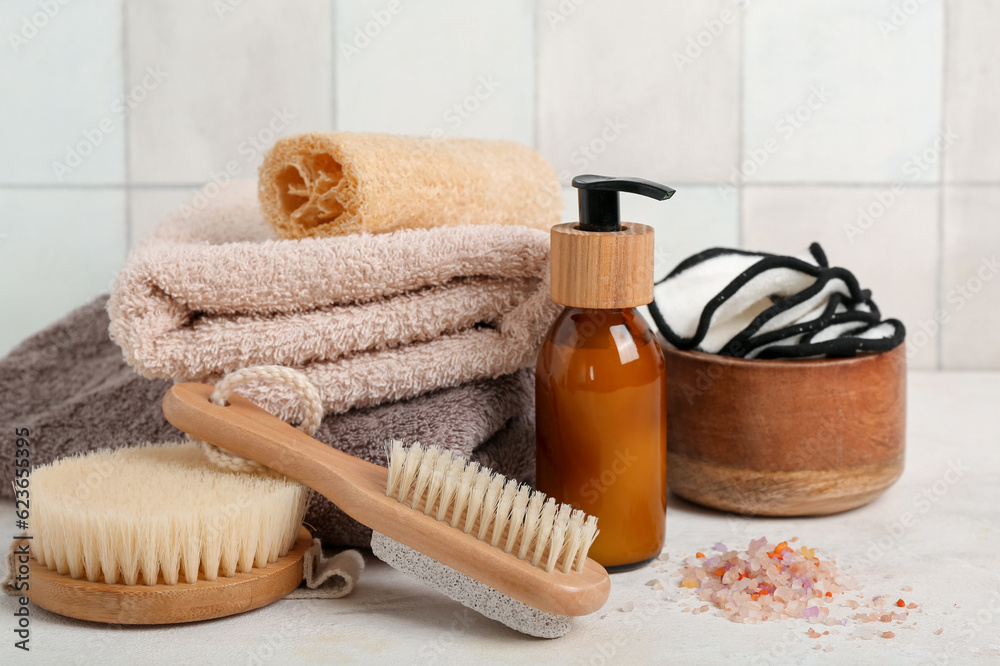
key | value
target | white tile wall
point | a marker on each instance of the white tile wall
(437, 68)
(149, 204)
(621, 93)
(687, 93)
(228, 81)
(972, 102)
(970, 288)
(892, 253)
(58, 249)
(61, 121)
(831, 94)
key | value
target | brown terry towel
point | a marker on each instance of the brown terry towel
(71, 388)
(334, 183)
(368, 318)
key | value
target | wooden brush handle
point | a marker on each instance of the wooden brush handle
(245, 429)
(358, 488)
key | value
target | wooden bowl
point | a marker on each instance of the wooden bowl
(784, 438)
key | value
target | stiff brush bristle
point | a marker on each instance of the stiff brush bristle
(159, 513)
(490, 507)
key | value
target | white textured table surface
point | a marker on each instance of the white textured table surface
(948, 554)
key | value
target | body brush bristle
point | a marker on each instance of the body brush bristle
(488, 542)
(159, 513)
(499, 511)
(505, 514)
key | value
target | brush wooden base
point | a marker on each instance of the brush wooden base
(168, 604)
(780, 493)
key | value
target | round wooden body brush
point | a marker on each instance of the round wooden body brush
(159, 534)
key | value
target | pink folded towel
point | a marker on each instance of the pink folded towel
(369, 318)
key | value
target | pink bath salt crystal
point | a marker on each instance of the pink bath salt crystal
(628, 607)
(939, 631)
(721, 547)
(759, 585)
(828, 648)
(813, 633)
(907, 588)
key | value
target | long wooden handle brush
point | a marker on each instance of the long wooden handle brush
(496, 547)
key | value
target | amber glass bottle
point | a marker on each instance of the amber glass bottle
(601, 378)
(602, 429)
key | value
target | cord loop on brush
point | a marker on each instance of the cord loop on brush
(277, 373)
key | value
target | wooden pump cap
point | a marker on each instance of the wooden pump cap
(602, 269)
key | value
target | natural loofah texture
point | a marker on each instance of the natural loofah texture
(369, 319)
(130, 516)
(334, 183)
(500, 511)
(468, 591)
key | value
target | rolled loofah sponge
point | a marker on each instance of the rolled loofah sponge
(334, 183)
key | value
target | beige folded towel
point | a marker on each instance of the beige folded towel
(335, 183)
(370, 319)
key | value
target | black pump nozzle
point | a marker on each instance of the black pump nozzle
(599, 199)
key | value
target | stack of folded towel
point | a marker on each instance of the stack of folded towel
(369, 318)
(407, 278)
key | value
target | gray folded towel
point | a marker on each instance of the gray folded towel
(70, 386)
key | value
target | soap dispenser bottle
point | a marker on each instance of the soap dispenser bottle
(601, 379)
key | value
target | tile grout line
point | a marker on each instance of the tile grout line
(334, 114)
(126, 122)
(536, 14)
(939, 267)
(741, 85)
(702, 183)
